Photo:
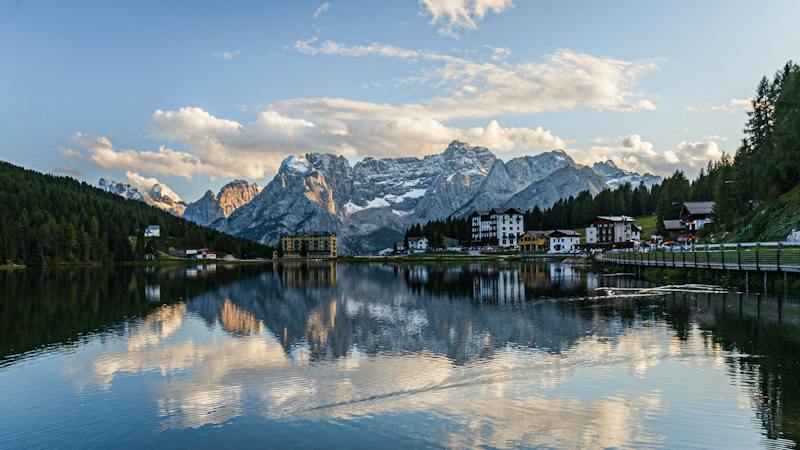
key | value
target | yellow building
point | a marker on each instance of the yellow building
(309, 245)
(533, 241)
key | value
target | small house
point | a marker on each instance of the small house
(417, 244)
(152, 231)
(399, 247)
(534, 241)
(564, 241)
(191, 253)
(674, 228)
(611, 230)
(696, 215)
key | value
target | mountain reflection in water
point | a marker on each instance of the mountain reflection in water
(325, 354)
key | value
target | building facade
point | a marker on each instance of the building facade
(152, 231)
(501, 227)
(309, 245)
(609, 230)
(696, 215)
(418, 244)
(534, 241)
(564, 241)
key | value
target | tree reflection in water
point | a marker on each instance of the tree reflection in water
(323, 312)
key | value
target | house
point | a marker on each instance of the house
(564, 241)
(675, 229)
(534, 241)
(309, 245)
(611, 230)
(794, 236)
(696, 215)
(417, 244)
(399, 247)
(386, 252)
(152, 231)
(636, 232)
(202, 253)
(499, 227)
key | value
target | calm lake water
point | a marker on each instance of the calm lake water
(324, 355)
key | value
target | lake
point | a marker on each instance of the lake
(326, 355)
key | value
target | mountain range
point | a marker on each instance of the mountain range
(370, 204)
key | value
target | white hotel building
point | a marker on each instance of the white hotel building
(497, 227)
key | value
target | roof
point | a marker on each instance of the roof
(564, 233)
(153, 227)
(496, 211)
(698, 208)
(616, 218)
(674, 225)
(312, 234)
(538, 233)
(416, 238)
(637, 228)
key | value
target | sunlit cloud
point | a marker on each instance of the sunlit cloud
(735, 104)
(455, 16)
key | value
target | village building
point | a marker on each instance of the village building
(501, 227)
(636, 232)
(201, 253)
(152, 231)
(309, 245)
(611, 230)
(399, 247)
(696, 215)
(417, 244)
(534, 241)
(564, 241)
(675, 229)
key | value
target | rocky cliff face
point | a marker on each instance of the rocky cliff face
(213, 207)
(371, 203)
(507, 179)
(565, 182)
(156, 195)
(616, 177)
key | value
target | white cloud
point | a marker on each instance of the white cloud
(499, 53)
(735, 104)
(335, 48)
(635, 153)
(564, 80)
(321, 9)
(70, 153)
(226, 55)
(454, 16)
(467, 90)
(164, 161)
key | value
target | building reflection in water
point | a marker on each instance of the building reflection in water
(505, 354)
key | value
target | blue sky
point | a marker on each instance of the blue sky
(198, 93)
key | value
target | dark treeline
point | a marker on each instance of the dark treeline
(765, 166)
(568, 213)
(47, 219)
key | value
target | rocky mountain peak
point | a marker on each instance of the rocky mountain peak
(157, 195)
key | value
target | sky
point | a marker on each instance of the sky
(195, 94)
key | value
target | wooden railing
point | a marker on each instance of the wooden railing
(750, 256)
